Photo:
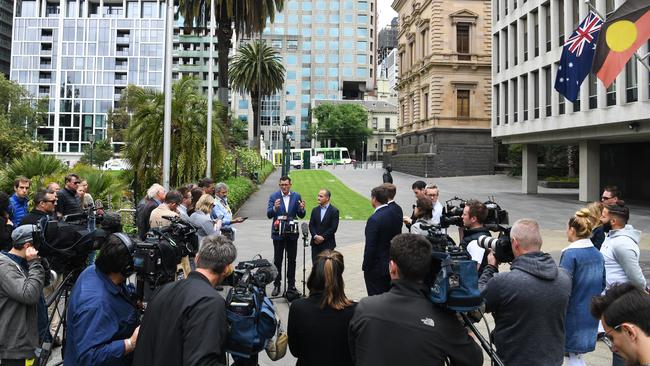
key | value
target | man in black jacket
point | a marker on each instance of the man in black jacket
(44, 207)
(381, 227)
(323, 223)
(402, 326)
(155, 196)
(67, 199)
(186, 323)
(474, 215)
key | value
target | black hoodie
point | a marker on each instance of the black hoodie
(529, 305)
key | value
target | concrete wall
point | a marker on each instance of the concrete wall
(449, 152)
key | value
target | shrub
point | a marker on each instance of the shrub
(103, 185)
(41, 169)
(239, 189)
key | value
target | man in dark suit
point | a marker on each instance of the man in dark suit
(289, 204)
(323, 223)
(381, 227)
(396, 209)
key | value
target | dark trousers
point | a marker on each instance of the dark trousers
(318, 249)
(7, 362)
(43, 321)
(376, 284)
(291, 246)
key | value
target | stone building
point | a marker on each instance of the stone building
(444, 90)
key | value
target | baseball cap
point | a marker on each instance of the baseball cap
(22, 234)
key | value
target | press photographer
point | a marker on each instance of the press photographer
(529, 302)
(402, 326)
(102, 317)
(186, 322)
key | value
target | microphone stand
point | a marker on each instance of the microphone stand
(305, 244)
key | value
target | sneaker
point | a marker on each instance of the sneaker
(276, 291)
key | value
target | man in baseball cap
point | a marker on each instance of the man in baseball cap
(22, 278)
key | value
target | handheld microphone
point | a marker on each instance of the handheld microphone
(305, 230)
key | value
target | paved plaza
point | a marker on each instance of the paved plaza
(551, 207)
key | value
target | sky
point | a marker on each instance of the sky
(384, 13)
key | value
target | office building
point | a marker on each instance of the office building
(444, 50)
(611, 126)
(6, 21)
(328, 49)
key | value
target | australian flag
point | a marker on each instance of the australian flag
(577, 57)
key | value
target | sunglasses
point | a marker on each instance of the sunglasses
(603, 198)
(608, 340)
(50, 201)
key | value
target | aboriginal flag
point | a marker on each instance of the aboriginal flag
(627, 29)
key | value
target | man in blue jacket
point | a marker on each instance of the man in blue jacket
(18, 201)
(290, 205)
(102, 317)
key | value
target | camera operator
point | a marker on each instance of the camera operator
(102, 317)
(402, 326)
(21, 285)
(422, 215)
(185, 322)
(67, 198)
(474, 215)
(625, 313)
(529, 303)
(290, 204)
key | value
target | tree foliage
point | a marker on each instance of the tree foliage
(344, 125)
(41, 169)
(19, 117)
(102, 151)
(144, 136)
(257, 70)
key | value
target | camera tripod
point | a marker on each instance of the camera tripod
(62, 292)
(487, 346)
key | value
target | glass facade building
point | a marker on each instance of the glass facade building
(328, 50)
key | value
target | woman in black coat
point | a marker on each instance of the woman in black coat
(318, 325)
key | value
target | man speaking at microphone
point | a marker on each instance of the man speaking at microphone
(323, 223)
(290, 205)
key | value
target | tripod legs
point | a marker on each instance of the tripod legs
(484, 343)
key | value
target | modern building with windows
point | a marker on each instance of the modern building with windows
(103, 47)
(611, 126)
(81, 54)
(6, 22)
(444, 100)
(328, 49)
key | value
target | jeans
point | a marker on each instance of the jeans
(43, 321)
(291, 246)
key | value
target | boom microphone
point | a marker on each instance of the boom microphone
(305, 230)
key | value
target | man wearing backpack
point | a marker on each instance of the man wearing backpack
(185, 322)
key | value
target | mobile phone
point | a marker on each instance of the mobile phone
(245, 218)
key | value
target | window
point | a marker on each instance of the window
(361, 72)
(319, 58)
(333, 71)
(306, 5)
(243, 104)
(631, 94)
(334, 32)
(387, 124)
(362, 45)
(361, 59)
(306, 58)
(611, 94)
(504, 36)
(374, 123)
(462, 103)
(593, 91)
(291, 59)
(291, 105)
(291, 75)
(535, 16)
(560, 11)
(575, 16)
(515, 100)
(348, 32)
(524, 82)
(547, 12)
(424, 48)
(363, 19)
(515, 48)
(505, 102)
(549, 90)
(425, 105)
(497, 98)
(524, 24)
(362, 32)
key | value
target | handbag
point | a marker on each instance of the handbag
(277, 346)
(456, 285)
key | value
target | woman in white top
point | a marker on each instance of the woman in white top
(201, 218)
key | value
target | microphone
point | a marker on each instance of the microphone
(305, 230)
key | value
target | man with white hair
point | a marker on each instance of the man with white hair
(529, 302)
(155, 196)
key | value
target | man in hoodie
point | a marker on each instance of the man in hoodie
(21, 284)
(621, 247)
(528, 303)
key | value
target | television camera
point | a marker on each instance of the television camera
(157, 257)
(248, 277)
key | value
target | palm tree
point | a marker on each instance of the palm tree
(256, 70)
(144, 136)
(249, 18)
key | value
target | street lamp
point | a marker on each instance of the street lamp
(284, 129)
(91, 139)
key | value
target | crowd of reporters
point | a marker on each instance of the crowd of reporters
(541, 310)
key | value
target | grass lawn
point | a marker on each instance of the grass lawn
(351, 205)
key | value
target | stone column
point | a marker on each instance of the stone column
(589, 171)
(529, 169)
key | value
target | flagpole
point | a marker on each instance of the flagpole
(636, 55)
